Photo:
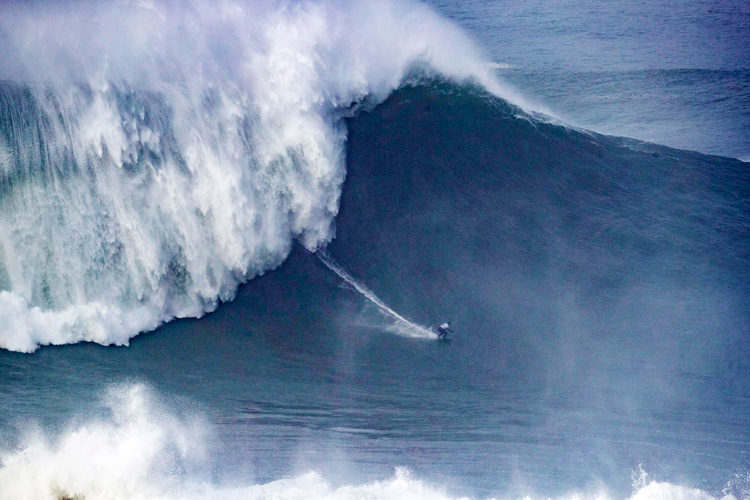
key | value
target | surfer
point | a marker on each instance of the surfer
(444, 330)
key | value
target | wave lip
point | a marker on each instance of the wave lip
(197, 143)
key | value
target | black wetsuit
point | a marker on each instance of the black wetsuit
(443, 331)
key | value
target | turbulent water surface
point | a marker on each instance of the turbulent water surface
(227, 231)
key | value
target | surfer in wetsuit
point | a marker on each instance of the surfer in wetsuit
(444, 330)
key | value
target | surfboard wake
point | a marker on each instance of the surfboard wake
(401, 326)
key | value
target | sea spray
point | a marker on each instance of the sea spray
(401, 325)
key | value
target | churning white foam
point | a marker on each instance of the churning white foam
(142, 451)
(138, 449)
(134, 453)
(167, 151)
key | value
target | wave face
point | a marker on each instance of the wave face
(452, 183)
(163, 153)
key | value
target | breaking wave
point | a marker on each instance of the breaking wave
(165, 152)
(139, 448)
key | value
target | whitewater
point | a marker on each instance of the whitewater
(144, 450)
(152, 164)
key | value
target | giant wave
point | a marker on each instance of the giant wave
(155, 155)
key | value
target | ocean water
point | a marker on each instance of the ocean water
(227, 231)
(669, 72)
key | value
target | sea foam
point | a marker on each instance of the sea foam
(139, 448)
(154, 155)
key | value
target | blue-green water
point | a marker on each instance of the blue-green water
(597, 285)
